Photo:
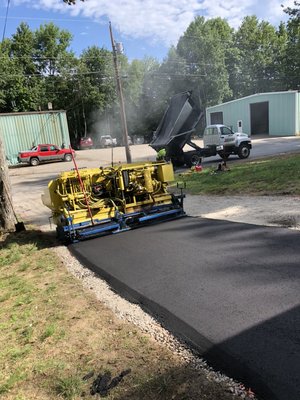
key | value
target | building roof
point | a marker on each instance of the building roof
(254, 95)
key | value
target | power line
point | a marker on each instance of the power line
(46, 19)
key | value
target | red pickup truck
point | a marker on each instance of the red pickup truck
(45, 153)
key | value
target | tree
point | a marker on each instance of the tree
(28, 60)
(23, 83)
(259, 47)
(70, 2)
(294, 12)
(35, 69)
(206, 46)
(292, 62)
(140, 85)
(93, 82)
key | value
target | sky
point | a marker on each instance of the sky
(144, 27)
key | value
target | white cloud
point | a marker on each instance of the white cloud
(163, 20)
(276, 10)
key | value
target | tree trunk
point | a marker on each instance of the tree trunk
(6, 211)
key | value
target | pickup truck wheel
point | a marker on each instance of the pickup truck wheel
(34, 161)
(68, 157)
(244, 151)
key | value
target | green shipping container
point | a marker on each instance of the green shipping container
(22, 131)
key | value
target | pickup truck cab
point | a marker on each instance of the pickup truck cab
(222, 140)
(45, 153)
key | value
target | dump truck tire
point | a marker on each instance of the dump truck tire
(192, 159)
(244, 151)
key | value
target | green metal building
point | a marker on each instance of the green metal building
(274, 114)
(22, 131)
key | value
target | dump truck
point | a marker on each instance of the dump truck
(179, 124)
(96, 201)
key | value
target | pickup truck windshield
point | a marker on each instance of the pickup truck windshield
(226, 131)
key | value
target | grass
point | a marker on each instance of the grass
(69, 387)
(273, 176)
(53, 333)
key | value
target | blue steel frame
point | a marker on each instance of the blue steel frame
(120, 223)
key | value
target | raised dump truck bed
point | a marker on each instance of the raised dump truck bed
(176, 129)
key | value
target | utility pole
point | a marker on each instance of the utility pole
(121, 99)
(5, 21)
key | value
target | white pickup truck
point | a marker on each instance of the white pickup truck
(220, 139)
(107, 141)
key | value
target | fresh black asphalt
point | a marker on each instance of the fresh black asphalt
(231, 290)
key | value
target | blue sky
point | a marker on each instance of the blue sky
(145, 27)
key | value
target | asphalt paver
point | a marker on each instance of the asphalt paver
(230, 290)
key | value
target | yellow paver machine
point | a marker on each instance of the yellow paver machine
(92, 202)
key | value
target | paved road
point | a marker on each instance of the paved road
(232, 290)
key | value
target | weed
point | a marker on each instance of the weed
(27, 333)
(42, 367)
(24, 267)
(51, 288)
(14, 378)
(22, 300)
(48, 332)
(4, 297)
(10, 255)
(16, 353)
(69, 387)
(163, 384)
(143, 339)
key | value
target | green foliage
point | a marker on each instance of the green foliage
(292, 57)
(259, 47)
(205, 46)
